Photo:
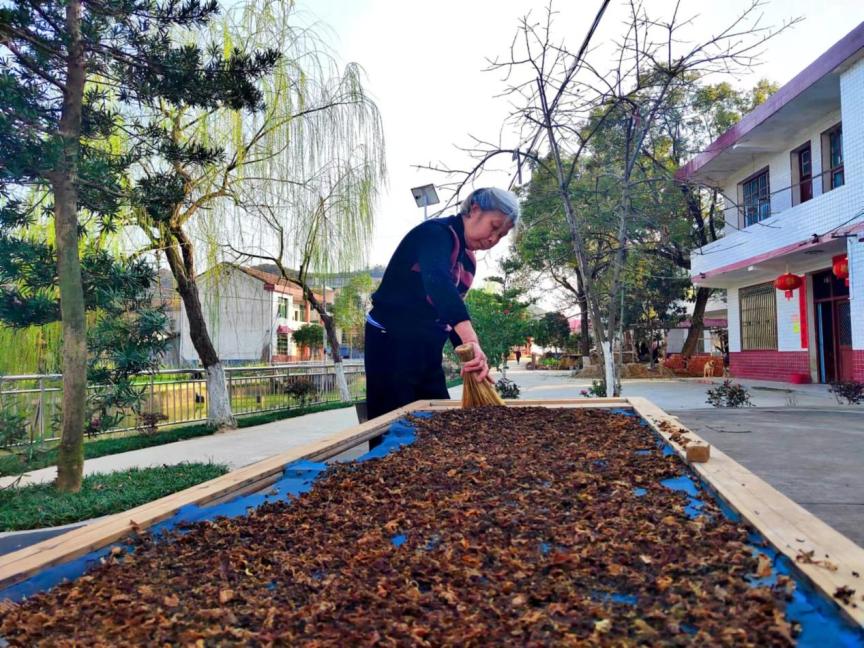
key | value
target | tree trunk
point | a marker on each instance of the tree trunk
(219, 412)
(333, 341)
(582, 300)
(697, 322)
(70, 462)
(609, 368)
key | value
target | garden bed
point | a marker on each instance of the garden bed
(604, 535)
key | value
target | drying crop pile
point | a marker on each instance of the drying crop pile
(498, 526)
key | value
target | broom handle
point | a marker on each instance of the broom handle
(465, 352)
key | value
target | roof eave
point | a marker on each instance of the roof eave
(835, 57)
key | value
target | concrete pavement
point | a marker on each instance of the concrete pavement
(236, 448)
(811, 456)
(668, 394)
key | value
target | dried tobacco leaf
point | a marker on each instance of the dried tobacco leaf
(498, 526)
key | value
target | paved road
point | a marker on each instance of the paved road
(813, 456)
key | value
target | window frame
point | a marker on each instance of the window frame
(282, 306)
(761, 334)
(801, 184)
(280, 338)
(762, 202)
(831, 171)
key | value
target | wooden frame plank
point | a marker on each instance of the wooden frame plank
(787, 526)
(791, 529)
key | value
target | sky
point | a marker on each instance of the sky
(424, 63)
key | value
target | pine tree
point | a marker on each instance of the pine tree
(79, 82)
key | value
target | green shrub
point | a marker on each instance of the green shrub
(507, 388)
(13, 427)
(729, 394)
(597, 389)
(850, 391)
(303, 390)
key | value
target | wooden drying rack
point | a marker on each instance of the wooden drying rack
(791, 529)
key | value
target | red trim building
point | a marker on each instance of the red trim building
(791, 175)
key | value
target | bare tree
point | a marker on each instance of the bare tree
(563, 103)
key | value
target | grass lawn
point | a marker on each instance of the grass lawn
(40, 505)
(100, 447)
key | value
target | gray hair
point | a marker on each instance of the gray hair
(492, 199)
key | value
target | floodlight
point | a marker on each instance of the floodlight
(425, 196)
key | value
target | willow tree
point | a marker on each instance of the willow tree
(234, 162)
(312, 162)
(326, 230)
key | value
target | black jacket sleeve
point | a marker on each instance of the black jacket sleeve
(455, 340)
(434, 259)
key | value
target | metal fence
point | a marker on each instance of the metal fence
(179, 395)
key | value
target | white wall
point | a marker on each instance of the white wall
(780, 170)
(856, 290)
(239, 313)
(733, 316)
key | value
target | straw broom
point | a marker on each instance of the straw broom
(476, 394)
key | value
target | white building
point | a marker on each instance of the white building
(250, 315)
(713, 320)
(792, 173)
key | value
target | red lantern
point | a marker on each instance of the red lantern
(840, 268)
(788, 282)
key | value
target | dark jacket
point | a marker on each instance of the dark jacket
(426, 280)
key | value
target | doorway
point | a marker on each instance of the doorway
(833, 327)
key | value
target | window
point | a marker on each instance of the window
(296, 314)
(758, 317)
(282, 343)
(756, 203)
(833, 175)
(283, 307)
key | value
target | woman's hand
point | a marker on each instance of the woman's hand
(479, 366)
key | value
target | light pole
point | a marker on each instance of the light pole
(425, 196)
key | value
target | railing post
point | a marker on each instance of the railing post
(152, 391)
(230, 388)
(42, 409)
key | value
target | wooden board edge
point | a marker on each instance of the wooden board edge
(786, 525)
(20, 565)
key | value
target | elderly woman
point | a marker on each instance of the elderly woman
(419, 303)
